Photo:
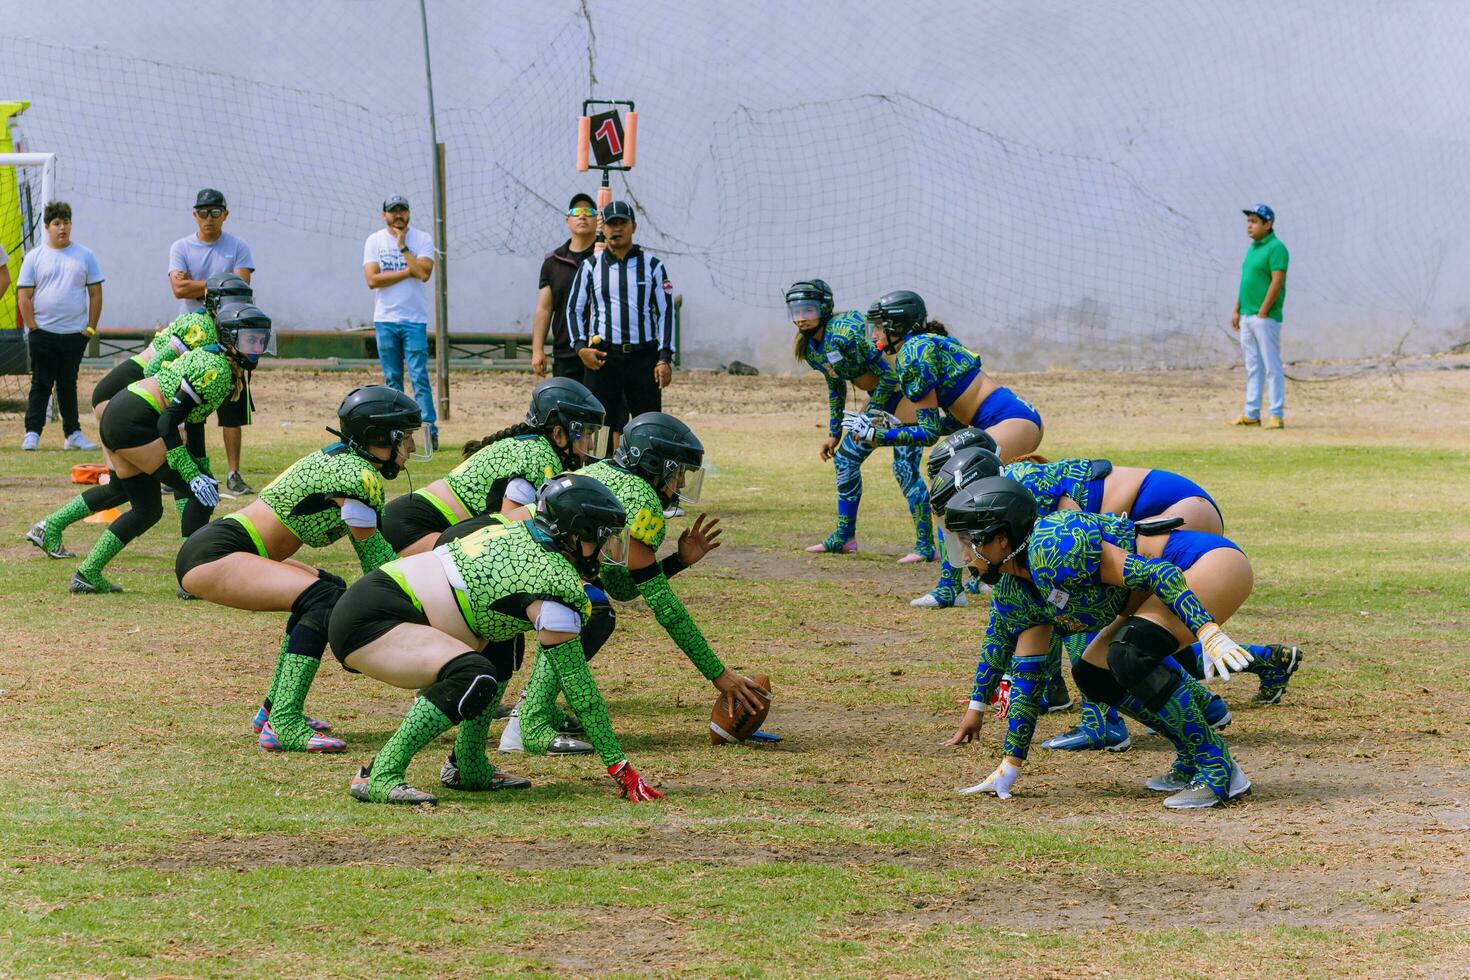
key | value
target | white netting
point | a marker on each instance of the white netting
(1062, 180)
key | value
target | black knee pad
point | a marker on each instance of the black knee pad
(310, 614)
(598, 627)
(1097, 683)
(1136, 657)
(466, 687)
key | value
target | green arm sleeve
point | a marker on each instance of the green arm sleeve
(924, 431)
(617, 582)
(373, 552)
(676, 621)
(181, 462)
(570, 665)
(836, 402)
(1165, 580)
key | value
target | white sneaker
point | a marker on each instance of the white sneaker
(510, 739)
(673, 512)
(79, 440)
(31, 441)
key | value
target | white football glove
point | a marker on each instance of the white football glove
(998, 783)
(205, 490)
(859, 426)
(1221, 653)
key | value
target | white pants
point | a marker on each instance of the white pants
(1260, 343)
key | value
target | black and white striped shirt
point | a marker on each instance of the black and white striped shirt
(625, 302)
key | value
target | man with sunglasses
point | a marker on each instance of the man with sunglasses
(557, 273)
(192, 261)
(397, 261)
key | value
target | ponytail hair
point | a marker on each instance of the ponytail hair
(934, 327)
(509, 432)
(799, 348)
(1031, 458)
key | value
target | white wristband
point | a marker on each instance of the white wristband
(977, 705)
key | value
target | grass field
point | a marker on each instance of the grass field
(142, 831)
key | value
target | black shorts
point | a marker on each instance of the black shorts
(128, 422)
(235, 412)
(116, 380)
(469, 526)
(410, 517)
(212, 542)
(370, 607)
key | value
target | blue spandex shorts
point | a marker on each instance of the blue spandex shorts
(1002, 404)
(1184, 548)
(1161, 490)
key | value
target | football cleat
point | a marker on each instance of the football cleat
(1198, 795)
(402, 794)
(834, 546)
(1179, 776)
(316, 743)
(449, 776)
(914, 558)
(54, 549)
(1058, 698)
(1112, 738)
(262, 716)
(1276, 673)
(82, 585)
(940, 599)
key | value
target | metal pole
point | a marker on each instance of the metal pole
(441, 291)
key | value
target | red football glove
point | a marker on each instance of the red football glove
(635, 790)
(1002, 699)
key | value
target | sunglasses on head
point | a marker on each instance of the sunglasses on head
(581, 212)
(210, 212)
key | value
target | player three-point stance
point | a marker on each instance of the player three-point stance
(445, 622)
(1097, 486)
(188, 331)
(502, 472)
(841, 347)
(244, 560)
(658, 462)
(949, 391)
(1147, 590)
(140, 429)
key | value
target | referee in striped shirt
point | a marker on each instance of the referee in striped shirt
(621, 315)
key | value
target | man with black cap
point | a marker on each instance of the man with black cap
(557, 272)
(192, 261)
(397, 261)
(621, 312)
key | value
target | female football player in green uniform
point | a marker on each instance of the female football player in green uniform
(658, 462)
(141, 432)
(502, 472)
(949, 390)
(1146, 591)
(424, 622)
(842, 349)
(244, 560)
(187, 332)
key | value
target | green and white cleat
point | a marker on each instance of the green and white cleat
(84, 585)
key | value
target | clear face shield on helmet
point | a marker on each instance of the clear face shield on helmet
(419, 443)
(961, 548)
(805, 313)
(255, 341)
(686, 483)
(614, 549)
(590, 440)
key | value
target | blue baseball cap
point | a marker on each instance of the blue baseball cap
(1261, 211)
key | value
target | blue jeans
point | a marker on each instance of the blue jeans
(1260, 344)
(408, 342)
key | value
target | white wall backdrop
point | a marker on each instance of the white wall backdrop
(1062, 180)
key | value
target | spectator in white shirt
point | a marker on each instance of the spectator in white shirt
(59, 294)
(397, 261)
(192, 261)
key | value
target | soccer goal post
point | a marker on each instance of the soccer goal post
(27, 184)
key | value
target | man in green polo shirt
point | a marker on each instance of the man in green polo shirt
(1257, 318)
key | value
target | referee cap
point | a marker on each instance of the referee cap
(618, 211)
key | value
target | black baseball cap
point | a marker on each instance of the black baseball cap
(210, 198)
(581, 199)
(618, 211)
(396, 201)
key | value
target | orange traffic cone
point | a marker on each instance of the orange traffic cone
(103, 516)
